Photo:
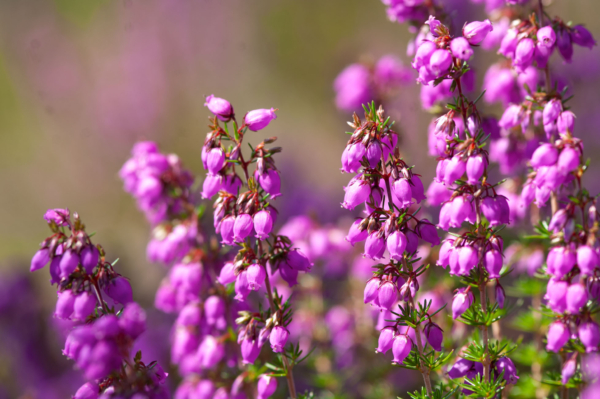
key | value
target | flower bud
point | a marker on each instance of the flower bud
(226, 230)
(565, 122)
(568, 160)
(558, 335)
(40, 259)
(266, 386)
(401, 348)
(374, 154)
(288, 274)
(434, 336)
(259, 118)
(417, 190)
(220, 107)
(89, 390)
(460, 368)
(565, 46)
(545, 155)
(568, 369)
(500, 296)
(558, 220)
(476, 31)
(374, 246)
(241, 287)
(589, 335)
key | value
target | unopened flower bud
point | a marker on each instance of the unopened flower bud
(259, 118)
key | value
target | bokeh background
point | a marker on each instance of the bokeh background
(81, 81)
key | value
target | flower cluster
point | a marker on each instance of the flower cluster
(244, 216)
(88, 290)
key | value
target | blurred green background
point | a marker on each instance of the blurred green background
(82, 80)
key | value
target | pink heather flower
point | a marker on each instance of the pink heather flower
(546, 36)
(374, 246)
(255, 277)
(278, 338)
(459, 210)
(587, 259)
(500, 296)
(455, 168)
(89, 390)
(564, 44)
(427, 231)
(40, 259)
(556, 295)
(434, 336)
(270, 182)
(250, 350)
(266, 386)
(386, 340)
(396, 244)
(558, 220)
(220, 107)
(347, 166)
(417, 189)
(214, 309)
(259, 118)
(242, 227)
(582, 37)
(467, 259)
(210, 352)
(552, 110)
(558, 335)
(545, 155)
(89, 258)
(577, 297)
(440, 62)
(506, 365)
(476, 31)
(372, 290)
(496, 210)
(524, 54)
(263, 224)
(568, 370)
(445, 251)
(64, 305)
(565, 122)
(389, 71)
(241, 287)
(355, 234)
(59, 216)
(387, 295)
(373, 154)
(460, 368)
(401, 348)
(402, 191)
(83, 306)
(461, 48)
(493, 263)
(356, 152)
(462, 301)
(589, 335)
(226, 230)
(568, 160)
(475, 168)
(119, 290)
(215, 160)
(212, 185)
(68, 263)
(508, 45)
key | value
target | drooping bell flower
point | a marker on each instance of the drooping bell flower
(68, 263)
(558, 335)
(242, 227)
(386, 340)
(220, 107)
(119, 290)
(263, 224)
(249, 350)
(401, 348)
(504, 364)
(266, 386)
(387, 295)
(89, 258)
(462, 301)
(427, 231)
(371, 290)
(402, 191)
(475, 168)
(356, 193)
(278, 338)
(270, 182)
(461, 48)
(255, 276)
(589, 335)
(493, 263)
(374, 246)
(355, 234)
(396, 244)
(40, 259)
(577, 297)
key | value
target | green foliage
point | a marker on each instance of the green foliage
(481, 389)
(440, 392)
